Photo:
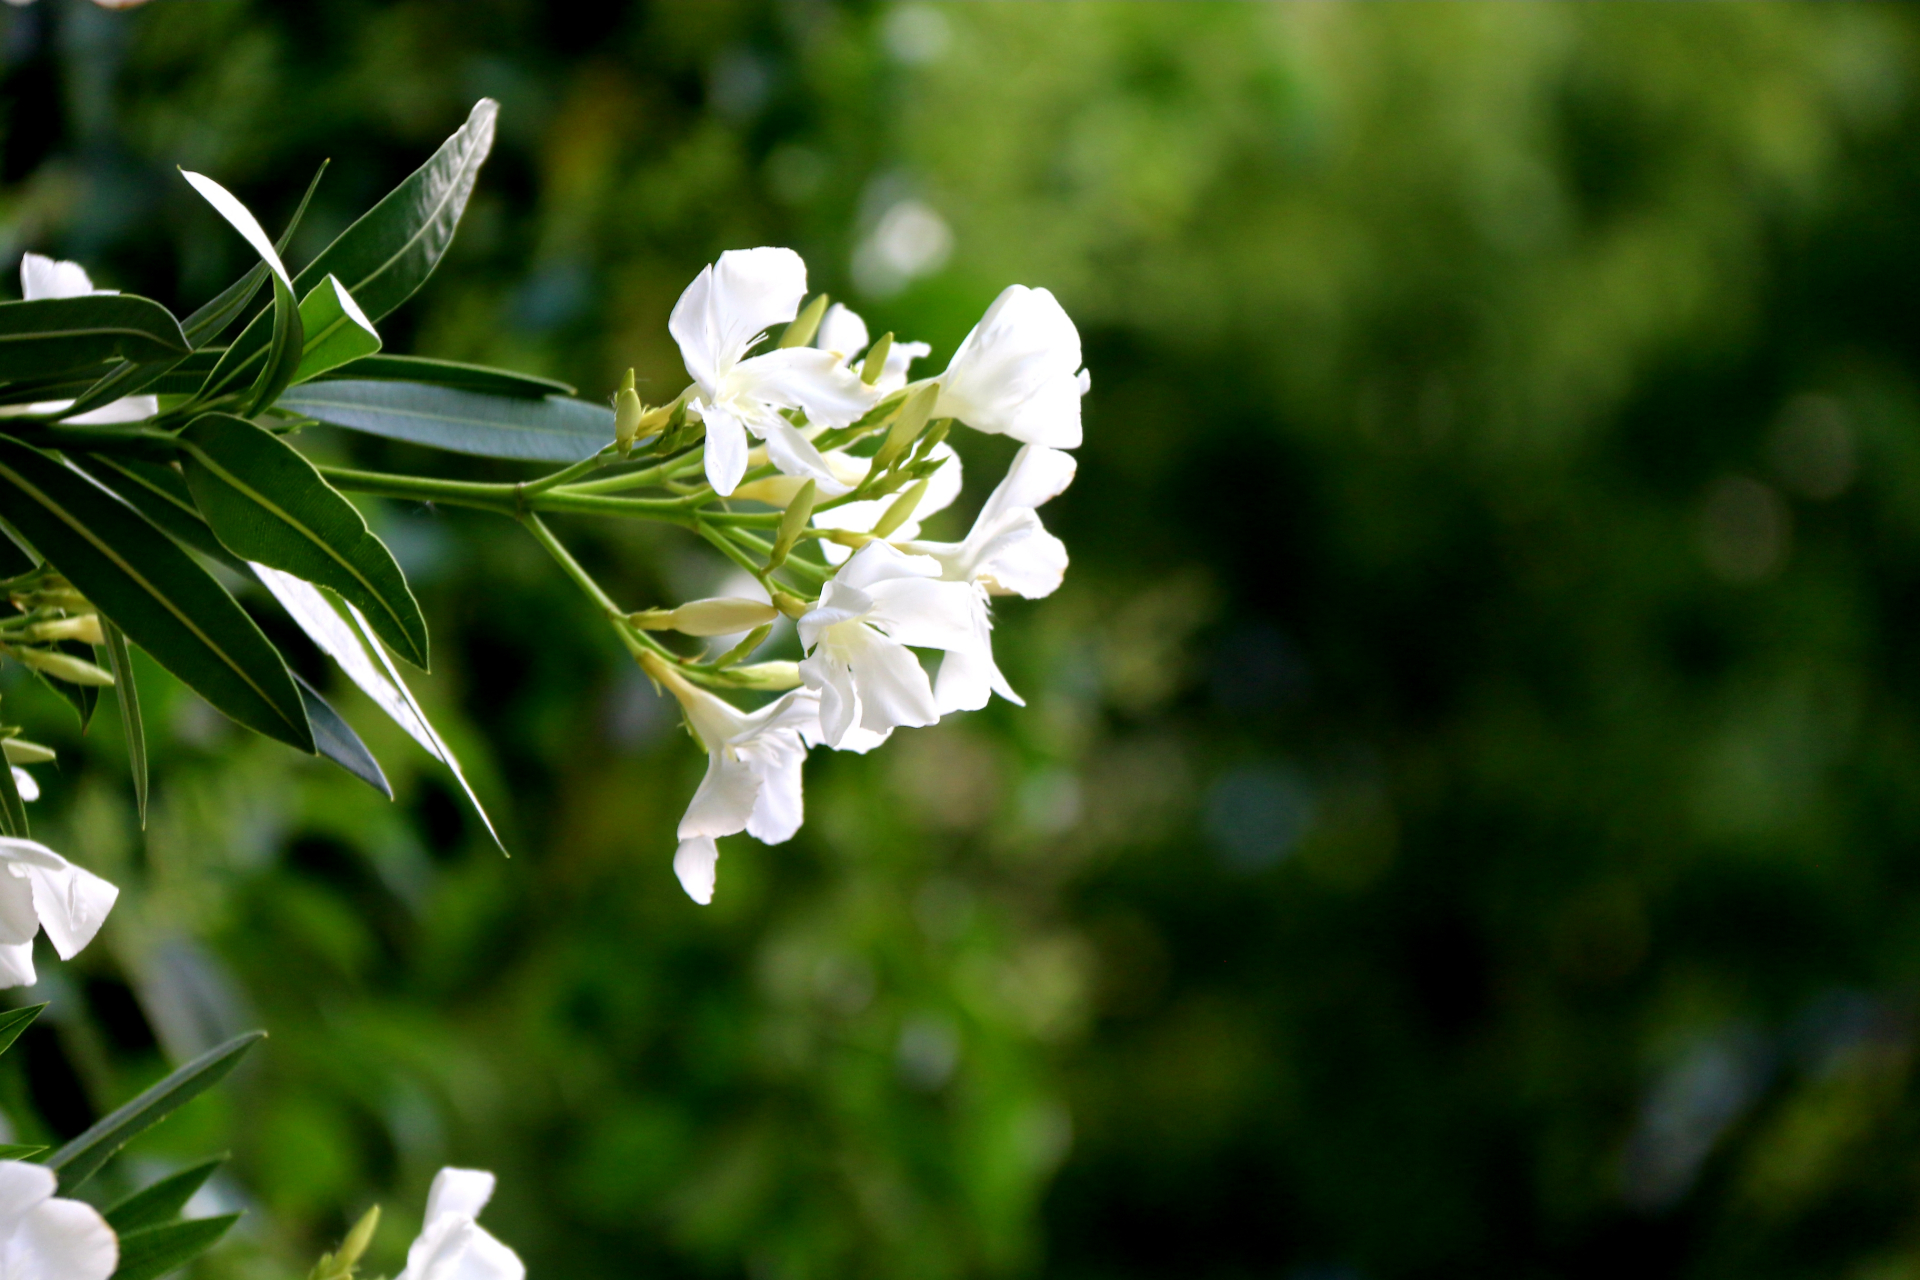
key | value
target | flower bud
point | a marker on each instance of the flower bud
(62, 666)
(798, 512)
(84, 628)
(901, 511)
(755, 638)
(791, 605)
(627, 413)
(806, 324)
(775, 491)
(771, 676)
(20, 751)
(343, 1262)
(721, 616)
(876, 361)
(913, 416)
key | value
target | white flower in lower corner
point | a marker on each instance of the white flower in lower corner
(728, 309)
(753, 772)
(844, 333)
(42, 277)
(39, 889)
(43, 1237)
(1018, 373)
(452, 1245)
(857, 641)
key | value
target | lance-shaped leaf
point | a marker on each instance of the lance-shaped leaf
(550, 429)
(337, 741)
(453, 373)
(51, 336)
(285, 342)
(120, 661)
(337, 331)
(153, 590)
(152, 1252)
(267, 503)
(159, 492)
(82, 1158)
(14, 1021)
(352, 645)
(161, 1202)
(206, 324)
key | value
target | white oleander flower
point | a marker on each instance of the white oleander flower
(943, 487)
(42, 277)
(1018, 373)
(43, 1237)
(39, 889)
(843, 331)
(857, 641)
(753, 773)
(24, 783)
(452, 1245)
(728, 309)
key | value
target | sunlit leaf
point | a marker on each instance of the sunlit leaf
(337, 331)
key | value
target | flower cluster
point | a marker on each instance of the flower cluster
(819, 427)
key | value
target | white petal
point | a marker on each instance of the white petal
(23, 1188)
(42, 277)
(842, 331)
(72, 904)
(726, 449)
(879, 562)
(24, 783)
(943, 486)
(730, 306)
(795, 455)
(694, 863)
(967, 678)
(839, 701)
(486, 1259)
(459, 1191)
(16, 965)
(1038, 475)
(900, 358)
(439, 1247)
(803, 378)
(64, 1240)
(926, 613)
(19, 922)
(778, 809)
(1019, 557)
(894, 690)
(839, 604)
(1017, 372)
(724, 801)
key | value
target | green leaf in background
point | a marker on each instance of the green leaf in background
(13, 810)
(14, 1021)
(159, 492)
(452, 373)
(162, 1201)
(337, 331)
(268, 504)
(336, 740)
(82, 1158)
(153, 590)
(550, 429)
(49, 336)
(20, 1150)
(154, 1251)
(120, 662)
(389, 253)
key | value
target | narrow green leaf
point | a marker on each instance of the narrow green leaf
(268, 504)
(159, 492)
(206, 324)
(162, 1201)
(337, 331)
(127, 379)
(152, 1252)
(337, 741)
(82, 1158)
(121, 663)
(19, 1150)
(49, 336)
(550, 429)
(164, 601)
(83, 698)
(13, 810)
(452, 373)
(283, 352)
(282, 349)
(13, 1022)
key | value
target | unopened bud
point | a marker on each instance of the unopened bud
(775, 491)
(771, 676)
(806, 324)
(848, 538)
(348, 1256)
(792, 606)
(62, 666)
(755, 638)
(84, 628)
(901, 511)
(931, 441)
(798, 512)
(721, 616)
(20, 751)
(913, 416)
(876, 361)
(627, 414)
(652, 619)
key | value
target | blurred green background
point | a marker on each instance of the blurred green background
(1467, 818)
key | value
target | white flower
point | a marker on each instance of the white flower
(43, 1237)
(856, 640)
(943, 486)
(23, 783)
(1018, 373)
(753, 772)
(452, 1245)
(729, 308)
(42, 277)
(843, 332)
(39, 889)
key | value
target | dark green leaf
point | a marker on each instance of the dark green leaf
(162, 1201)
(160, 493)
(13, 810)
(206, 324)
(283, 352)
(14, 1021)
(452, 373)
(48, 336)
(338, 742)
(154, 1251)
(272, 372)
(19, 1150)
(82, 1158)
(551, 429)
(126, 379)
(395, 246)
(120, 662)
(267, 503)
(14, 559)
(337, 332)
(164, 601)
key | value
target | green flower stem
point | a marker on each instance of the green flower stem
(585, 466)
(635, 639)
(466, 493)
